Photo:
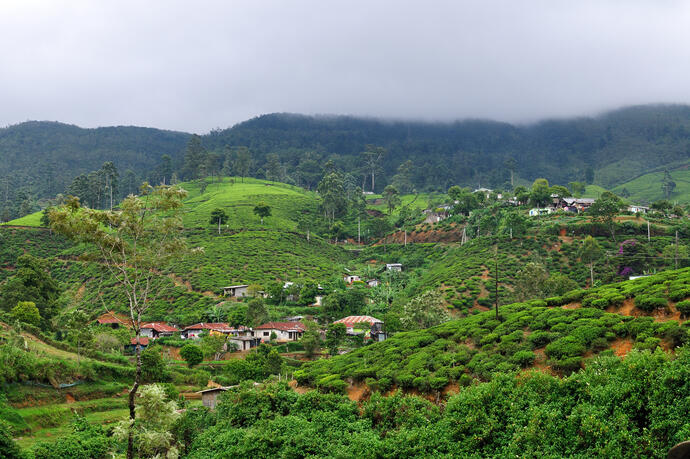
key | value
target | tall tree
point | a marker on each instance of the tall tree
(133, 242)
(243, 162)
(194, 158)
(402, 180)
(605, 209)
(540, 194)
(372, 156)
(110, 181)
(31, 281)
(391, 197)
(589, 253)
(332, 194)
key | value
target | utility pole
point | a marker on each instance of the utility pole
(359, 230)
(676, 254)
(649, 234)
(496, 260)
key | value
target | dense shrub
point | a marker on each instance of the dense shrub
(565, 347)
(85, 442)
(650, 303)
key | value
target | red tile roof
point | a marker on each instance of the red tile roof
(282, 326)
(217, 326)
(160, 327)
(113, 318)
(351, 321)
(144, 341)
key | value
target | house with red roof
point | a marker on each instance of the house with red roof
(194, 331)
(157, 329)
(284, 331)
(132, 346)
(355, 325)
(114, 320)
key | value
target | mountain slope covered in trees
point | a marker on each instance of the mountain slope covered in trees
(41, 159)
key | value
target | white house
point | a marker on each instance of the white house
(394, 266)
(237, 291)
(244, 343)
(373, 282)
(284, 331)
(535, 212)
(350, 278)
(638, 209)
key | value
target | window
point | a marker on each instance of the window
(267, 333)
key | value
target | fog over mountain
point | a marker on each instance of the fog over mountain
(197, 66)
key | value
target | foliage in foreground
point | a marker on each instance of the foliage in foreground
(636, 407)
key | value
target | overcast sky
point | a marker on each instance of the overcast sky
(197, 65)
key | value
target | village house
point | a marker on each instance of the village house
(157, 329)
(236, 291)
(435, 216)
(284, 331)
(373, 282)
(638, 209)
(114, 320)
(194, 331)
(244, 343)
(537, 212)
(132, 346)
(393, 266)
(350, 278)
(353, 326)
(581, 204)
(209, 397)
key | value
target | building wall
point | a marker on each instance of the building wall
(210, 399)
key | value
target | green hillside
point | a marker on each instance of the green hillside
(245, 252)
(555, 334)
(647, 188)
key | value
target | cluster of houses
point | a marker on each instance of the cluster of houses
(576, 206)
(243, 338)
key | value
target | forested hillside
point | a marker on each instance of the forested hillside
(616, 146)
(39, 159)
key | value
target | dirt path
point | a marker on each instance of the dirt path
(622, 346)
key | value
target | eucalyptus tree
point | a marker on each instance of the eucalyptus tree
(131, 243)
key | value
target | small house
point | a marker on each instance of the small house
(537, 212)
(350, 278)
(131, 348)
(582, 204)
(394, 266)
(157, 329)
(209, 397)
(114, 320)
(236, 291)
(373, 282)
(244, 343)
(194, 331)
(352, 323)
(638, 209)
(284, 331)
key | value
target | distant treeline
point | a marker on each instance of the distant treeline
(39, 160)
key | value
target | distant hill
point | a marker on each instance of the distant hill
(42, 158)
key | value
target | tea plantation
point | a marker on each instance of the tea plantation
(537, 333)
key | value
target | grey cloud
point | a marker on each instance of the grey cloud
(198, 65)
